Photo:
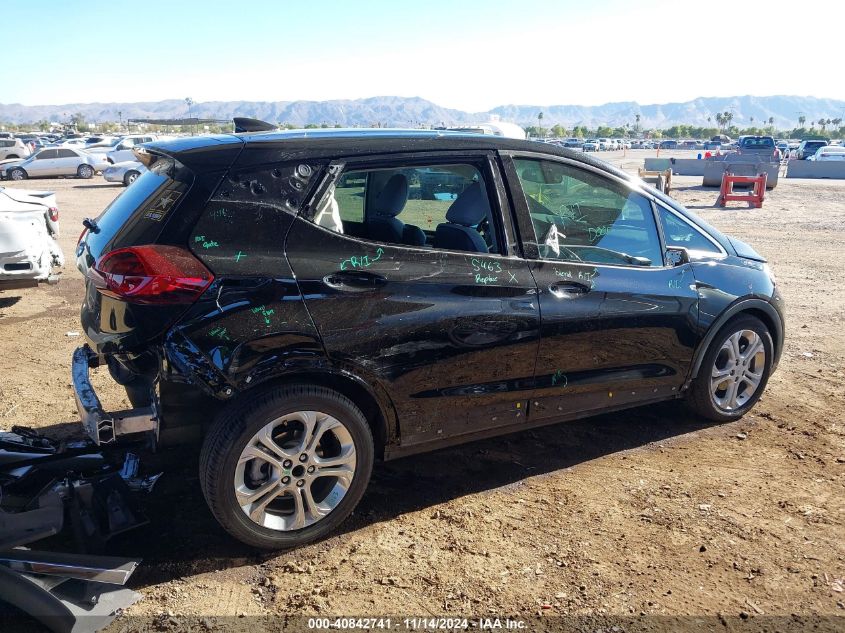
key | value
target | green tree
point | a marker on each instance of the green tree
(558, 130)
(77, 120)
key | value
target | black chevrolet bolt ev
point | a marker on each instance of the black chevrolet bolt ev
(303, 303)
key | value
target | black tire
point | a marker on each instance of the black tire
(237, 424)
(699, 397)
(18, 174)
(12, 156)
(129, 177)
(85, 172)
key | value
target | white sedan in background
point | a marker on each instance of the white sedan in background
(29, 226)
(55, 161)
(126, 172)
(830, 152)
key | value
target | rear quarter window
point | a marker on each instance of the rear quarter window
(243, 227)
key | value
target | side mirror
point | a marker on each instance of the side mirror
(677, 255)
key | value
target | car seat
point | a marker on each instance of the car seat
(384, 226)
(460, 231)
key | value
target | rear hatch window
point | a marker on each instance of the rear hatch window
(138, 215)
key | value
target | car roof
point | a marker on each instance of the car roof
(349, 142)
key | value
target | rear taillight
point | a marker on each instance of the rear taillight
(54, 214)
(152, 275)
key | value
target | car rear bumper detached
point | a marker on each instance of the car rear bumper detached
(103, 427)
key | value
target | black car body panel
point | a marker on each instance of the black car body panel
(436, 345)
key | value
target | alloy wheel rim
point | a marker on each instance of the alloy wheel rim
(16, 175)
(295, 470)
(737, 370)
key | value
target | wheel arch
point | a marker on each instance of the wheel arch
(377, 410)
(759, 308)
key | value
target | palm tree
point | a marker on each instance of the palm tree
(637, 117)
(802, 120)
(720, 119)
(728, 116)
(540, 123)
(822, 124)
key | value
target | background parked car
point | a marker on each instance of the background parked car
(591, 145)
(123, 150)
(669, 144)
(808, 148)
(56, 161)
(126, 172)
(14, 148)
(573, 143)
(762, 146)
(829, 153)
(29, 226)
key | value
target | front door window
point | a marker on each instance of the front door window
(579, 216)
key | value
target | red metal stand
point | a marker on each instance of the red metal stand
(755, 198)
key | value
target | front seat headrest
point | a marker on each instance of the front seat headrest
(470, 207)
(392, 198)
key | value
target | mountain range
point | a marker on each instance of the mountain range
(415, 111)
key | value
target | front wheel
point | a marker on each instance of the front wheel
(286, 467)
(734, 371)
(85, 171)
(17, 174)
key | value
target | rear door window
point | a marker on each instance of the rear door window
(444, 206)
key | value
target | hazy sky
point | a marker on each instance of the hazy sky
(459, 54)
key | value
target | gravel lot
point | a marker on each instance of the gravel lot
(648, 512)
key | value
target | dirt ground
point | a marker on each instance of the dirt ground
(648, 512)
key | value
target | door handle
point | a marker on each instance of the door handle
(355, 280)
(569, 289)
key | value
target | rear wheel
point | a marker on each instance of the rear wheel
(85, 171)
(129, 177)
(734, 371)
(12, 156)
(286, 467)
(17, 174)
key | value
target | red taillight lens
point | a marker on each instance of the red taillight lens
(54, 214)
(153, 275)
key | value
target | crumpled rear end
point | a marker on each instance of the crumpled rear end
(27, 250)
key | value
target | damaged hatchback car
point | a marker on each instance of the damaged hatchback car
(304, 303)
(29, 227)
